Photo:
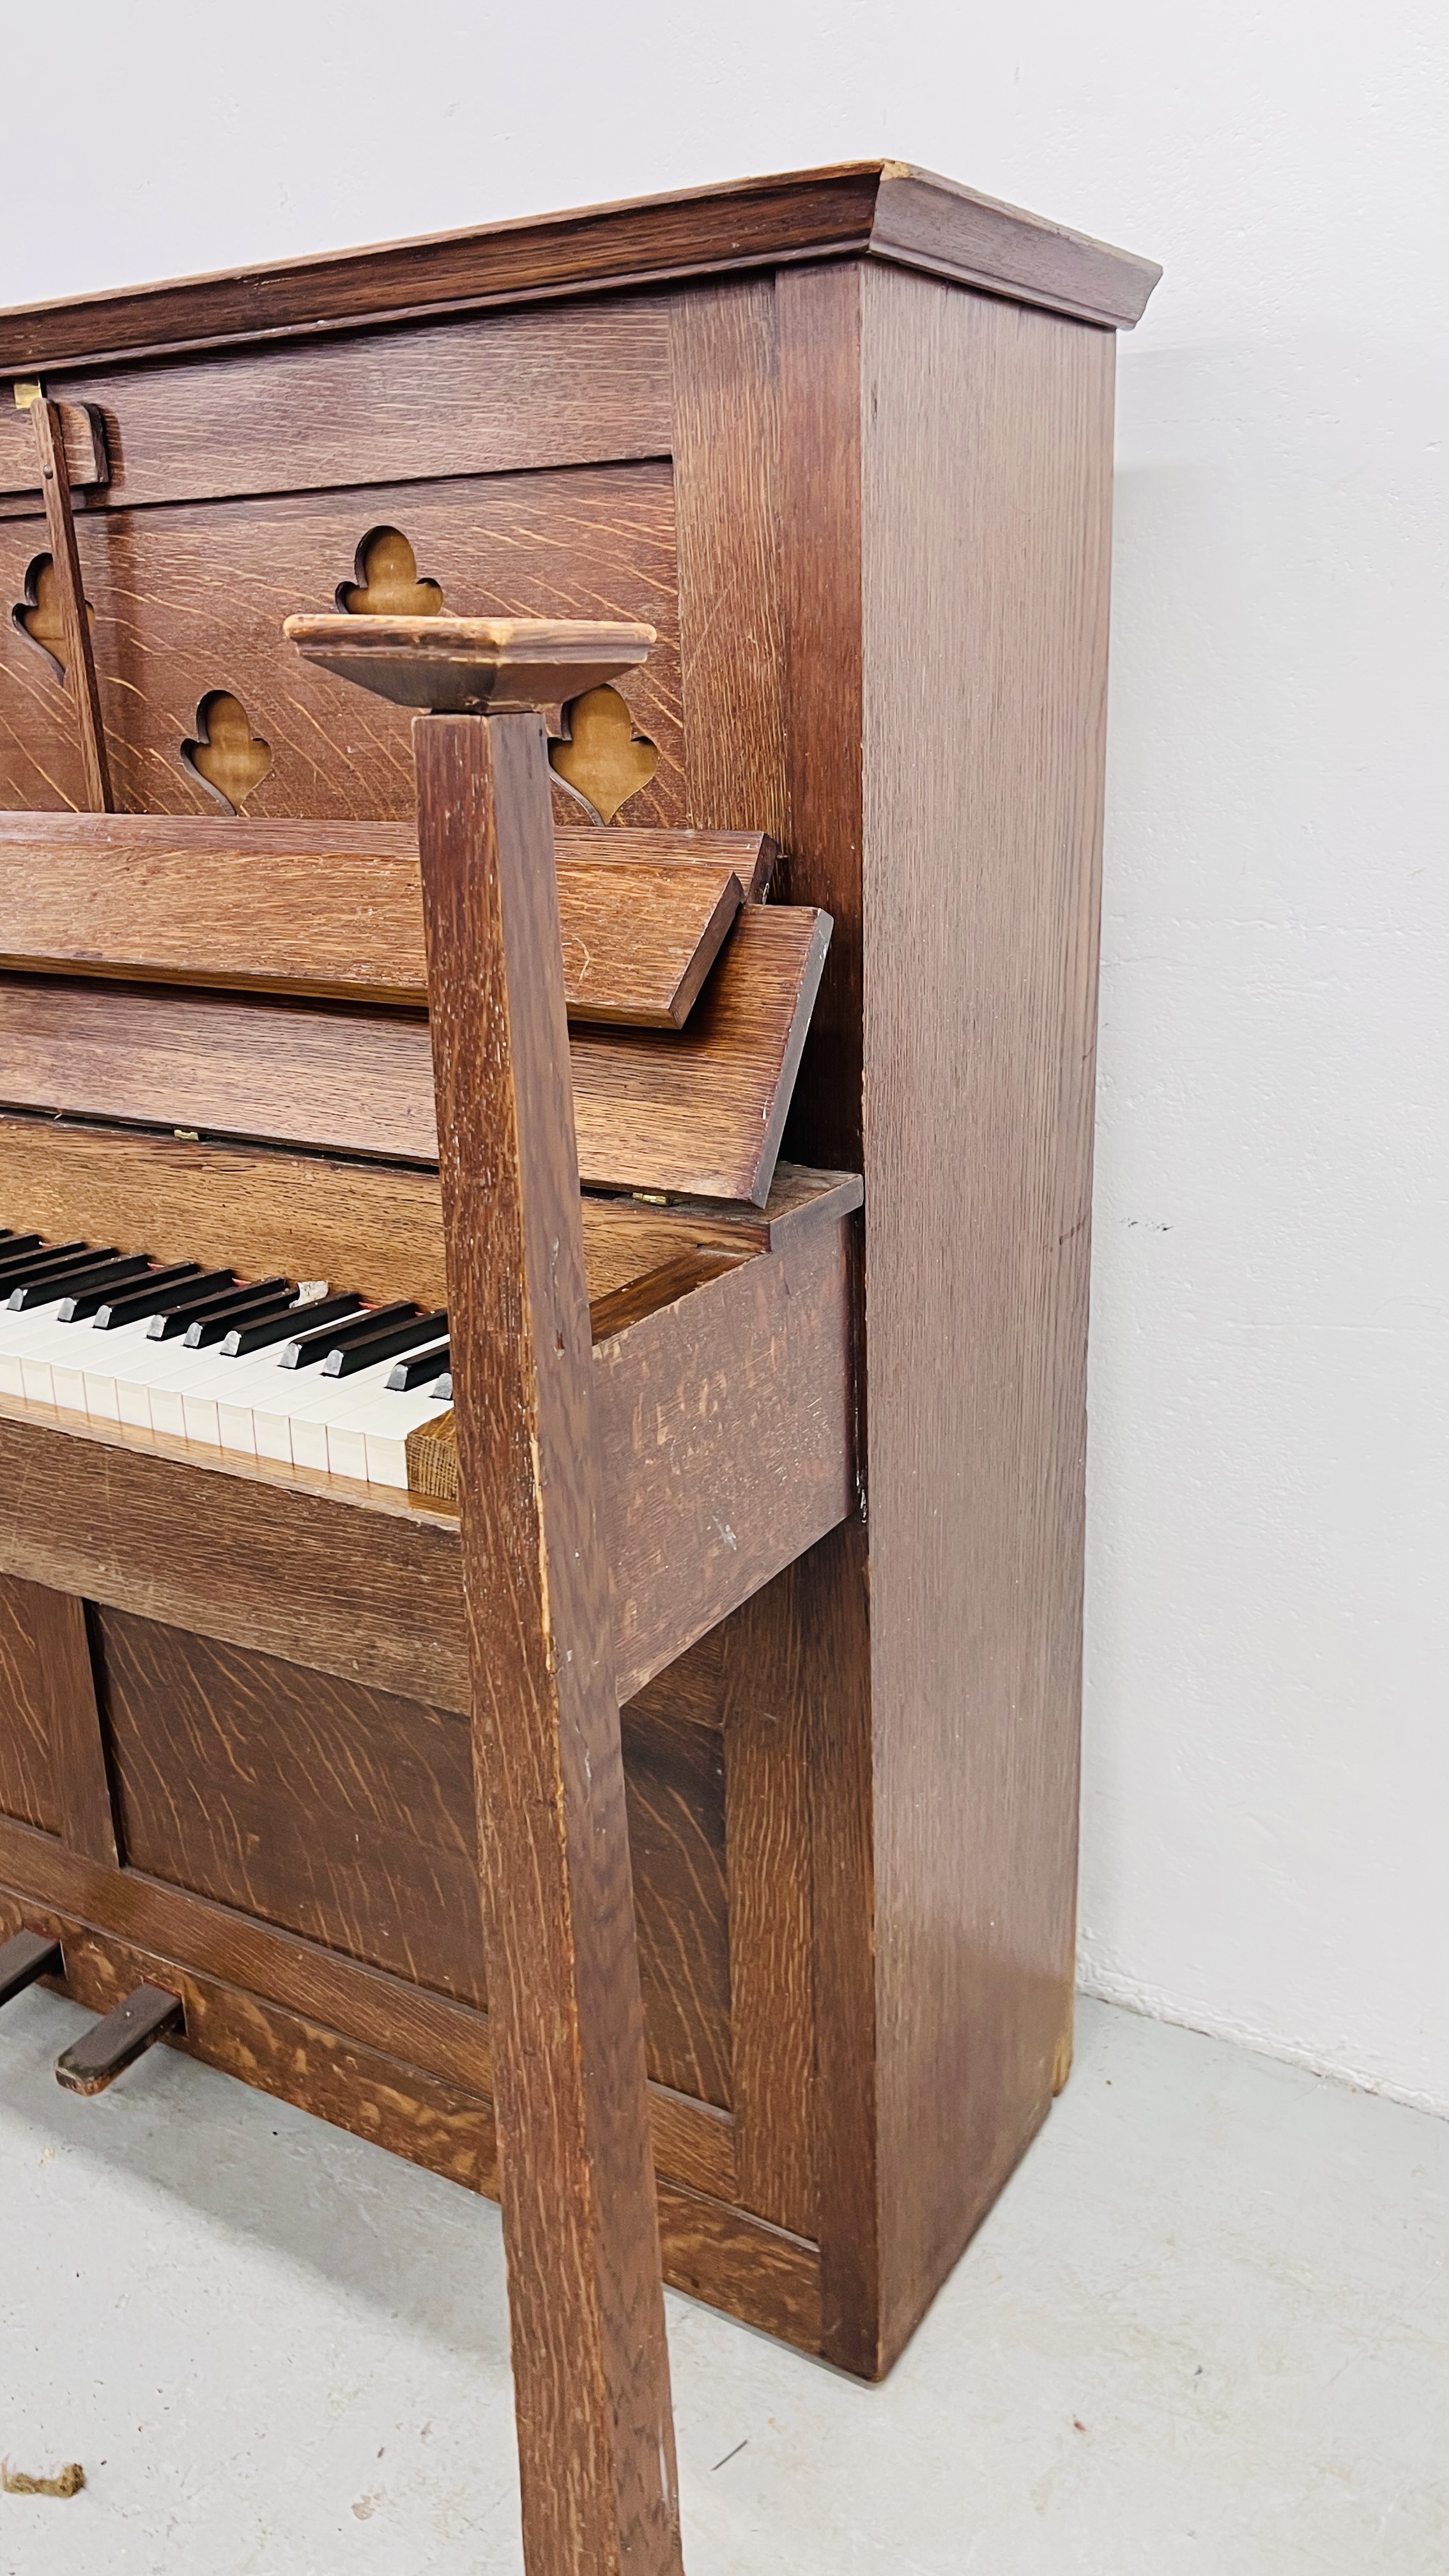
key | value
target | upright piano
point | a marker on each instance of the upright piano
(548, 930)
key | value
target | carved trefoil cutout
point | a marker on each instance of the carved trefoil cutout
(599, 758)
(388, 583)
(37, 616)
(229, 759)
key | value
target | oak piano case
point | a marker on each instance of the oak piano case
(822, 905)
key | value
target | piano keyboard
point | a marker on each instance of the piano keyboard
(270, 1368)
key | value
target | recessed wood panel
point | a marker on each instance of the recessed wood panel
(675, 1783)
(341, 1813)
(190, 599)
(346, 1815)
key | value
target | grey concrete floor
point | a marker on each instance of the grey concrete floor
(1205, 2328)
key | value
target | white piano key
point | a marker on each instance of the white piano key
(104, 1367)
(386, 1442)
(333, 1400)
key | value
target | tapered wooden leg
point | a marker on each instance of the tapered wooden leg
(591, 2371)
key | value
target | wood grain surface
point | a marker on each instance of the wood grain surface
(79, 1739)
(980, 980)
(586, 2314)
(700, 1109)
(190, 598)
(693, 2142)
(47, 426)
(372, 1226)
(714, 2252)
(82, 436)
(725, 445)
(512, 392)
(270, 908)
(346, 1816)
(28, 1786)
(725, 1425)
(848, 210)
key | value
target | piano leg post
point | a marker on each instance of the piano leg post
(591, 2369)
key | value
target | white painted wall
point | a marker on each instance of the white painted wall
(1267, 1728)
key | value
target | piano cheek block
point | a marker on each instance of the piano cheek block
(110, 2046)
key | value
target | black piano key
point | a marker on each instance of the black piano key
(173, 1322)
(16, 1244)
(309, 1348)
(370, 1348)
(418, 1368)
(442, 1387)
(133, 1306)
(86, 1271)
(59, 1266)
(213, 1323)
(259, 1336)
(13, 1274)
(86, 1295)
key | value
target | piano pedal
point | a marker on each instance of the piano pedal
(110, 2046)
(29, 1956)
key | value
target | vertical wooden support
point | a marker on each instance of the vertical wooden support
(77, 1734)
(591, 2371)
(80, 666)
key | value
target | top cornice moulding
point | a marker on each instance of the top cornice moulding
(855, 210)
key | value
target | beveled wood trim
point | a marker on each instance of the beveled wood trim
(848, 210)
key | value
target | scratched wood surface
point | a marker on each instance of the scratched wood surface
(273, 908)
(190, 598)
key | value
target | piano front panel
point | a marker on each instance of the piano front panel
(345, 1815)
(189, 599)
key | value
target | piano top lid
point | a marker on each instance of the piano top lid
(884, 210)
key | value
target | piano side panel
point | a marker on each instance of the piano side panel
(987, 478)
(190, 598)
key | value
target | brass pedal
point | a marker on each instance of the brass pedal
(110, 2046)
(28, 1956)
